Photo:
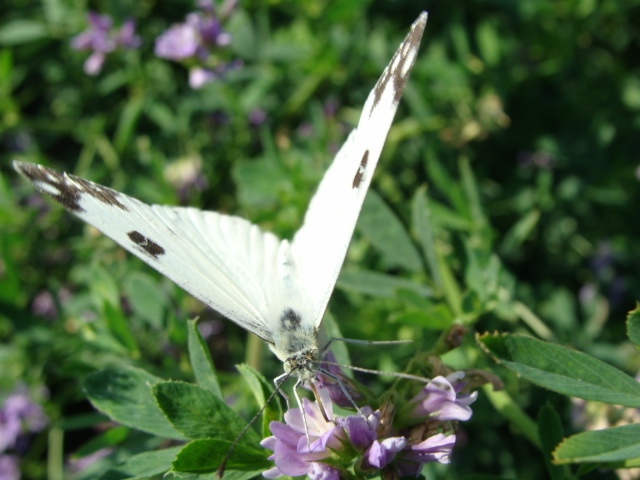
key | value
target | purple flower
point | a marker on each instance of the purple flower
(127, 37)
(434, 449)
(9, 469)
(179, 42)
(193, 42)
(292, 451)
(101, 40)
(19, 415)
(439, 400)
(199, 76)
(356, 445)
(380, 454)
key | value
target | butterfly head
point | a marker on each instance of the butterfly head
(304, 364)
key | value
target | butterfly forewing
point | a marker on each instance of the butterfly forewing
(217, 258)
(321, 244)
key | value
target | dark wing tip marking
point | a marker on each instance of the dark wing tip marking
(398, 69)
(357, 179)
(149, 246)
(66, 189)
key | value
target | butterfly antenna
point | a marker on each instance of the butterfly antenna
(368, 342)
(408, 376)
(223, 464)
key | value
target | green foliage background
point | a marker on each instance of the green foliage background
(520, 125)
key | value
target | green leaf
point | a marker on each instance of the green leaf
(387, 233)
(124, 394)
(102, 285)
(519, 232)
(143, 465)
(562, 370)
(339, 349)
(208, 454)
(633, 325)
(146, 297)
(17, 32)
(198, 413)
(119, 327)
(609, 445)
(228, 475)
(108, 438)
(127, 122)
(424, 230)
(378, 284)
(438, 318)
(262, 390)
(550, 433)
(201, 362)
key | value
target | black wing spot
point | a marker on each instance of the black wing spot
(147, 245)
(290, 320)
(67, 189)
(357, 179)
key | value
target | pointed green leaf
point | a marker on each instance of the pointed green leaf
(201, 362)
(550, 433)
(339, 349)
(207, 454)
(143, 465)
(633, 325)
(609, 445)
(379, 284)
(148, 301)
(424, 230)
(198, 413)
(387, 233)
(119, 327)
(262, 390)
(124, 394)
(563, 370)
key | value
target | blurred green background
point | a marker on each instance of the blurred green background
(505, 199)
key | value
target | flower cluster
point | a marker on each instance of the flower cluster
(18, 416)
(195, 42)
(101, 39)
(371, 440)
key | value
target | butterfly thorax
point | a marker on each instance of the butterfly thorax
(298, 345)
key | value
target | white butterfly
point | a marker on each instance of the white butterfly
(277, 290)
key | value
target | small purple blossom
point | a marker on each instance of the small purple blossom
(439, 399)
(101, 40)
(19, 415)
(9, 467)
(434, 449)
(194, 42)
(179, 42)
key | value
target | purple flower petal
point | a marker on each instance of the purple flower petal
(321, 471)
(438, 400)
(179, 42)
(9, 467)
(380, 454)
(127, 37)
(361, 433)
(198, 77)
(93, 64)
(434, 449)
